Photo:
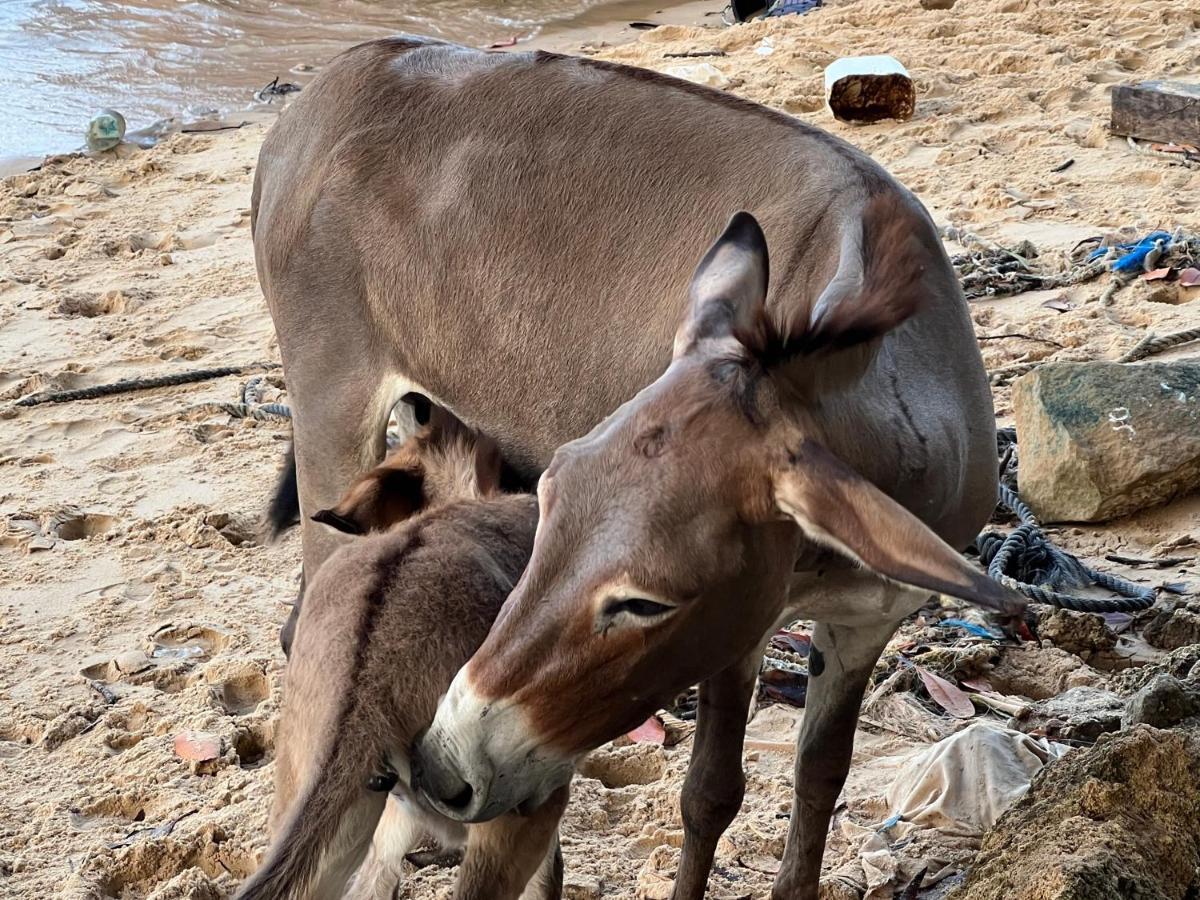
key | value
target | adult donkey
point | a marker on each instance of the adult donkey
(514, 237)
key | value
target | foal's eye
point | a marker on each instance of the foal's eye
(637, 606)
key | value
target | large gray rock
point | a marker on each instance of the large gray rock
(1101, 440)
(1163, 702)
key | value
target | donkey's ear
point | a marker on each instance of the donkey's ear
(384, 496)
(839, 509)
(729, 287)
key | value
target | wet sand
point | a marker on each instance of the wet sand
(137, 602)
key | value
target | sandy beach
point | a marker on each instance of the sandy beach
(137, 600)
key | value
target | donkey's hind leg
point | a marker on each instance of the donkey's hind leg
(514, 851)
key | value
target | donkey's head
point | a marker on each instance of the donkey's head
(443, 461)
(665, 540)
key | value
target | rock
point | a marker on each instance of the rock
(1183, 664)
(1161, 703)
(937, 4)
(1076, 632)
(197, 746)
(1114, 822)
(869, 88)
(1100, 440)
(656, 878)
(1040, 672)
(131, 662)
(582, 887)
(1176, 625)
(1080, 714)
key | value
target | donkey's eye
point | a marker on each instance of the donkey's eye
(637, 606)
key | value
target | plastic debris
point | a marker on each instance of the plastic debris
(105, 130)
(970, 627)
(1133, 256)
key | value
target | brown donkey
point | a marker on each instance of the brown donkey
(665, 551)
(388, 621)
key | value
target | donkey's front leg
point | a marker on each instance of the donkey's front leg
(840, 664)
(712, 792)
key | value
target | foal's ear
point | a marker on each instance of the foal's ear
(729, 287)
(839, 509)
(384, 496)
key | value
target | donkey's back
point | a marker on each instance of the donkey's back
(513, 235)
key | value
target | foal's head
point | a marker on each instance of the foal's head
(666, 538)
(443, 461)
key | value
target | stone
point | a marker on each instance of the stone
(1176, 625)
(582, 887)
(869, 89)
(1101, 440)
(1114, 822)
(1080, 714)
(1164, 702)
(1076, 632)
(937, 4)
(1040, 673)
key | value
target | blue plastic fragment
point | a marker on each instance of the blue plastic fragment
(1134, 254)
(791, 7)
(977, 630)
(889, 822)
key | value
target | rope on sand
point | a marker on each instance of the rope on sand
(130, 385)
(1151, 344)
(1026, 561)
(1147, 346)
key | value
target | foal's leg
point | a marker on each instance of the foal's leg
(712, 792)
(510, 852)
(840, 664)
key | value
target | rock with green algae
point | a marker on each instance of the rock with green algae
(1115, 822)
(1101, 440)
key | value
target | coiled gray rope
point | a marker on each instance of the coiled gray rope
(140, 384)
(1029, 553)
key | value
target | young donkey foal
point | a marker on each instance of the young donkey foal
(387, 622)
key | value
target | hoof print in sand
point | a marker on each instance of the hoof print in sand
(116, 668)
(187, 642)
(72, 525)
(255, 745)
(238, 687)
(618, 767)
(159, 865)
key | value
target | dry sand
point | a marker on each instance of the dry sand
(127, 536)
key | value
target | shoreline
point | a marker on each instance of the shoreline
(592, 28)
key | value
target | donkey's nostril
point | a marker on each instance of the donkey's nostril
(462, 799)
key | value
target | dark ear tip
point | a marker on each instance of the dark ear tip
(333, 520)
(744, 228)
